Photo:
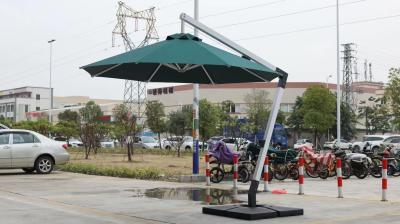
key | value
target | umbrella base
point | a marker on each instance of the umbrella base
(252, 213)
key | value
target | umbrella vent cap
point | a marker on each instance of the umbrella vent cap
(183, 36)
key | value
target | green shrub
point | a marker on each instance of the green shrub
(137, 173)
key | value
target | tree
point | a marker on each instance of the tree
(125, 127)
(376, 114)
(68, 115)
(155, 118)
(176, 125)
(317, 109)
(43, 126)
(348, 121)
(209, 119)
(392, 95)
(257, 110)
(296, 118)
(228, 124)
(66, 129)
(89, 126)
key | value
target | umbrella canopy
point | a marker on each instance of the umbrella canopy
(181, 58)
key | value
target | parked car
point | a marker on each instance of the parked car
(186, 141)
(75, 143)
(2, 126)
(107, 143)
(145, 142)
(303, 142)
(374, 141)
(236, 143)
(30, 151)
(393, 141)
(344, 144)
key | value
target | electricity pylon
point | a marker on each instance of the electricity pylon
(135, 92)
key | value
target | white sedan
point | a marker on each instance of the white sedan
(303, 142)
(30, 151)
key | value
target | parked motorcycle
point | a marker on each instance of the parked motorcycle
(360, 164)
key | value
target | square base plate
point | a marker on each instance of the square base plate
(252, 213)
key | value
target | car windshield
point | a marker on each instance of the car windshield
(148, 140)
(372, 138)
(188, 139)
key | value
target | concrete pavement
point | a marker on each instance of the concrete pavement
(75, 198)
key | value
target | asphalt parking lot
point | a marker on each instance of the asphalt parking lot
(75, 198)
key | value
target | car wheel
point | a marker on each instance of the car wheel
(44, 165)
(187, 148)
(28, 170)
(168, 147)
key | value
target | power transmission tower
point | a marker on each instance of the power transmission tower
(365, 70)
(135, 92)
(370, 72)
(349, 60)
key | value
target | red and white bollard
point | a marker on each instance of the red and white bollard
(235, 170)
(266, 174)
(301, 175)
(208, 174)
(339, 177)
(384, 178)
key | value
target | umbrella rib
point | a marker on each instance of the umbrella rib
(208, 75)
(106, 70)
(155, 71)
(253, 73)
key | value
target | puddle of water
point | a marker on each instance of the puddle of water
(209, 196)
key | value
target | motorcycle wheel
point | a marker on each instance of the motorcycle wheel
(361, 172)
(376, 168)
(346, 170)
(324, 172)
(216, 175)
(280, 171)
(294, 173)
(244, 174)
(391, 170)
(312, 171)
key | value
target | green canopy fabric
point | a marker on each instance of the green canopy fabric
(181, 58)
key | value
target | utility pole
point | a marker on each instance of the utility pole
(135, 92)
(196, 96)
(50, 80)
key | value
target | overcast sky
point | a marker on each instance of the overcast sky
(302, 43)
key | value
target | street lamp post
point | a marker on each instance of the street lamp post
(338, 94)
(51, 90)
(327, 80)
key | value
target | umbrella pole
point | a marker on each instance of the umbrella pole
(267, 137)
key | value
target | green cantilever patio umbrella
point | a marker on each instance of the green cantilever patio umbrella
(184, 58)
(181, 58)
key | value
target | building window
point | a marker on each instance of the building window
(37, 108)
(8, 108)
(12, 108)
(159, 91)
(37, 96)
(154, 92)
(165, 90)
(26, 108)
(149, 91)
(171, 90)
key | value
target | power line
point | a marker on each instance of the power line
(241, 9)
(319, 27)
(288, 14)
